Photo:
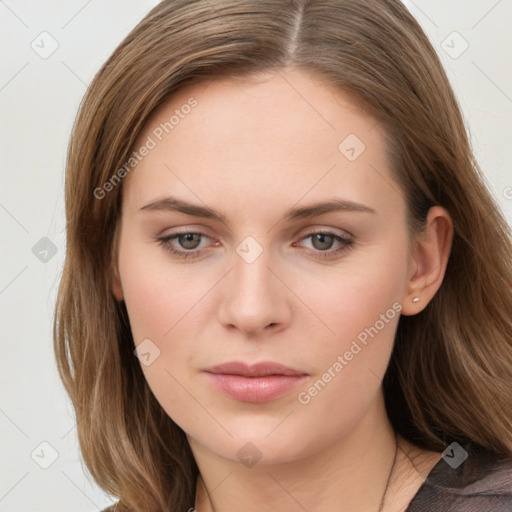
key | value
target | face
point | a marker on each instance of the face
(263, 225)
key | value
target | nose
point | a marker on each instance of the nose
(253, 298)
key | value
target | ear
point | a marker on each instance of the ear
(116, 283)
(430, 252)
(115, 279)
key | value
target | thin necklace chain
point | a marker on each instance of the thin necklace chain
(382, 501)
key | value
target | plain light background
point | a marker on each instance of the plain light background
(40, 92)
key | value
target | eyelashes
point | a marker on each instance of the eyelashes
(167, 243)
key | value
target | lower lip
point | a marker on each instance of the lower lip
(255, 389)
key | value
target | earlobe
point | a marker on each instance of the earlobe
(116, 284)
(430, 254)
(115, 279)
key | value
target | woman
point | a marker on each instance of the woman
(286, 285)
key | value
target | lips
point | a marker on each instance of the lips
(262, 369)
(260, 382)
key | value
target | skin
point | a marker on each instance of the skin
(252, 149)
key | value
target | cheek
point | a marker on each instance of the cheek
(166, 303)
(360, 303)
(161, 301)
(354, 295)
(159, 295)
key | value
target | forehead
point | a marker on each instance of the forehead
(259, 136)
(268, 104)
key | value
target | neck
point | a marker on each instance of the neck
(350, 475)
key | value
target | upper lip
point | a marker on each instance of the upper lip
(262, 369)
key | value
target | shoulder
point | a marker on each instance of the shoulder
(467, 478)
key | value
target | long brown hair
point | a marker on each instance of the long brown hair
(450, 375)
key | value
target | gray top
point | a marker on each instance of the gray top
(481, 483)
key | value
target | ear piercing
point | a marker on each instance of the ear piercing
(416, 299)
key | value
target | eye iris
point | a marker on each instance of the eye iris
(321, 238)
(321, 241)
(188, 240)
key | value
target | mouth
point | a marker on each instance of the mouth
(257, 383)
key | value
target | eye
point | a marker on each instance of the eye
(186, 244)
(188, 241)
(323, 241)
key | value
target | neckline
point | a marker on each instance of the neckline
(434, 472)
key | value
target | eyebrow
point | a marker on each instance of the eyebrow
(173, 204)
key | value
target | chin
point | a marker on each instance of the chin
(261, 443)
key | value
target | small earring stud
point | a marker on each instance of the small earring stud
(416, 299)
